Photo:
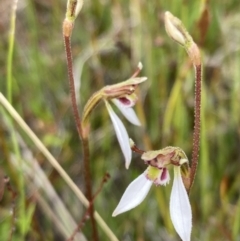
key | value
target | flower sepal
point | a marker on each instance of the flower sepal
(122, 89)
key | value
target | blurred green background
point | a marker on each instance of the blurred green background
(109, 39)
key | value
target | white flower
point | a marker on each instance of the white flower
(123, 96)
(157, 173)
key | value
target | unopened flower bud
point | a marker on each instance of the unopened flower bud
(73, 9)
(176, 30)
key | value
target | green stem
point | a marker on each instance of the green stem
(10, 50)
(11, 42)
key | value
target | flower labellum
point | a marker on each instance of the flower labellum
(157, 176)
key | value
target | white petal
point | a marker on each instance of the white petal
(129, 113)
(180, 209)
(134, 194)
(122, 135)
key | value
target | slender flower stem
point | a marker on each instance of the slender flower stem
(67, 32)
(67, 41)
(88, 185)
(178, 32)
(197, 123)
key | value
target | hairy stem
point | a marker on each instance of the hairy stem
(88, 185)
(197, 123)
(76, 114)
(67, 30)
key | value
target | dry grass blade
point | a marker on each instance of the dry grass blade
(55, 164)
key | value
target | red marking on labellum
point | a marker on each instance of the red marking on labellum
(164, 174)
(124, 101)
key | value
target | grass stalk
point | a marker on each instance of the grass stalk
(10, 50)
(13, 113)
(11, 41)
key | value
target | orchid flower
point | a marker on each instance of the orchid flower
(124, 104)
(124, 97)
(157, 173)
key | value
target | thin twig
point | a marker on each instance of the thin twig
(86, 215)
(13, 211)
